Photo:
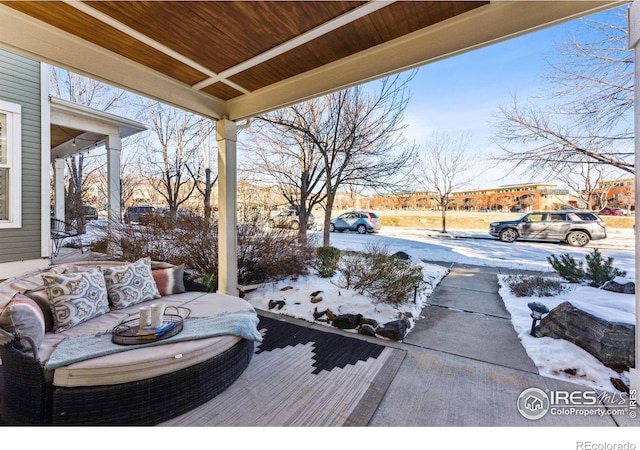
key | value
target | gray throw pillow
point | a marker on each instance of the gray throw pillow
(23, 317)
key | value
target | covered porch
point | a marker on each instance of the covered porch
(230, 61)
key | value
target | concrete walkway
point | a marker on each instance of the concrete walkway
(466, 366)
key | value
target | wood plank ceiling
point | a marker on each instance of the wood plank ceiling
(245, 57)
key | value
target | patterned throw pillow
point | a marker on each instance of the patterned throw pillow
(76, 297)
(130, 284)
(23, 317)
(169, 280)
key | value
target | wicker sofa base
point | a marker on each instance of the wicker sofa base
(146, 402)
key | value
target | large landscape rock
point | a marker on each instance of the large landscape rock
(610, 342)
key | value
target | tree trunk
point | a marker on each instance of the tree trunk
(207, 196)
(326, 241)
(443, 205)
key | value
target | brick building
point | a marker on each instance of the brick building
(618, 193)
(526, 197)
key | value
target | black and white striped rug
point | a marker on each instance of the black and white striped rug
(303, 376)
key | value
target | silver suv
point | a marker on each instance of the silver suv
(576, 228)
(360, 221)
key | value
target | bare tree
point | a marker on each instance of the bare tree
(586, 116)
(442, 168)
(585, 181)
(549, 143)
(204, 187)
(357, 134)
(171, 146)
(284, 153)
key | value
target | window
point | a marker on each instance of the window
(10, 165)
(586, 216)
(537, 217)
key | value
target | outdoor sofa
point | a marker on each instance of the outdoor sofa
(60, 367)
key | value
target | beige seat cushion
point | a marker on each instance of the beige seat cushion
(143, 363)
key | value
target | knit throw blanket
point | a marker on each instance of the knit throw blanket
(74, 349)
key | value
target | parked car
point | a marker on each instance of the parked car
(360, 221)
(90, 213)
(181, 213)
(611, 212)
(290, 219)
(136, 214)
(576, 228)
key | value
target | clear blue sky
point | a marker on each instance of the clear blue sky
(460, 95)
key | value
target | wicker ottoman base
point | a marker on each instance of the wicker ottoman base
(146, 402)
(152, 401)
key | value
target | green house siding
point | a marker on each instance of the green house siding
(20, 83)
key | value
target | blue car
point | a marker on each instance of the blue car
(360, 221)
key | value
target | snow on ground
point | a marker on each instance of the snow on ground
(551, 356)
(297, 297)
(554, 356)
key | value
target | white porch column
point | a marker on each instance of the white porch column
(226, 136)
(113, 146)
(58, 188)
(634, 43)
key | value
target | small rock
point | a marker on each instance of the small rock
(394, 330)
(367, 330)
(620, 285)
(317, 314)
(347, 321)
(286, 288)
(401, 255)
(619, 385)
(364, 321)
(276, 304)
(405, 318)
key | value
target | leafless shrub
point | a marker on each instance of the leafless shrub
(264, 254)
(535, 286)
